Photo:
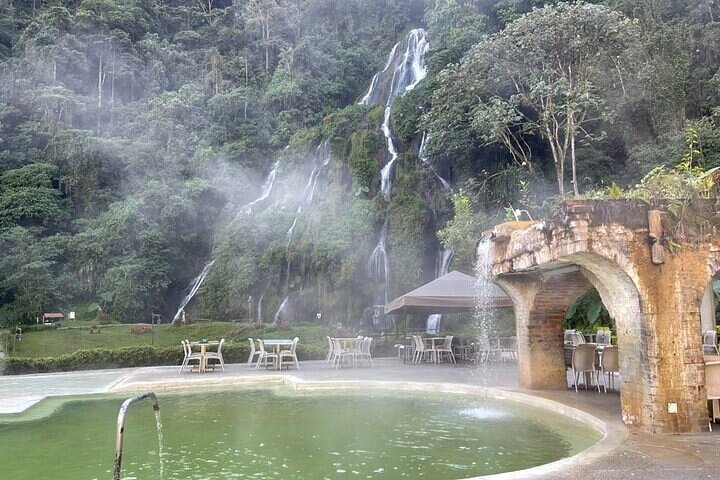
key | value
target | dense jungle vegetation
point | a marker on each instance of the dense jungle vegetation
(137, 135)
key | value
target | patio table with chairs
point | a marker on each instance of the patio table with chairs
(595, 361)
(431, 349)
(349, 351)
(198, 352)
(276, 354)
(491, 349)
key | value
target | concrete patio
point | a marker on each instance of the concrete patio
(622, 454)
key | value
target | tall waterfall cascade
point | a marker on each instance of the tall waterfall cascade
(247, 208)
(402, 72)
(191, 291)
(404, 69)
(322, 158)
(266, 189)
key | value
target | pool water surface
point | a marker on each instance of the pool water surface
(276, 433)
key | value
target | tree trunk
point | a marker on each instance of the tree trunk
(558, 160)
(572, 161)
(246, 88)
(267, 41)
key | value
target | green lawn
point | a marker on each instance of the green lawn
(74, 336)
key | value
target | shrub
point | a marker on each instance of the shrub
(139, 356)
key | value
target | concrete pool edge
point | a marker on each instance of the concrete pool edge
(612, 435)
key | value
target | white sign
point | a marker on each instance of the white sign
(71, 315)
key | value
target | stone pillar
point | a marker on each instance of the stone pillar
(541, 303)
(670, 296)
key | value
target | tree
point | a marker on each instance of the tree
(550, 73)
(28, 198)
(33, 278)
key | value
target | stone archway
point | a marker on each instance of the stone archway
(654, 298)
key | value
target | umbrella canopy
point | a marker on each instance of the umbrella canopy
(453, 292)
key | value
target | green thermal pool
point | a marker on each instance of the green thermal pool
(276, 433)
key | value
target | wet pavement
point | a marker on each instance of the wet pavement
(622, 454)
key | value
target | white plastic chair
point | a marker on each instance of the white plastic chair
(216, 356)
(485, 349)
(339, 353)
(291, 353)
(189, 355)
(264, 355)
(577, 338)
(508, 348)
(331, 353)
(583, 361)
(445, 348)
(710, 343)
(253, 352)
(609, 363)
(421, 349)
(364, 350)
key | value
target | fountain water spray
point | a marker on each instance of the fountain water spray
(484, 314)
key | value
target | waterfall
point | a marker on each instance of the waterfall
(322, 159)
(281, 314)
(423, 157)
(259, 309)
(192, 290)
(266, 189)
(378, 265)
(484, 314)
(442, 265)
(401, 74)
(444, 259)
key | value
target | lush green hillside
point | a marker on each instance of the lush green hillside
(136, 137)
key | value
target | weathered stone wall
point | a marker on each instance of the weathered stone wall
(654, 298)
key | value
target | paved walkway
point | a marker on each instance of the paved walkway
(621, 455)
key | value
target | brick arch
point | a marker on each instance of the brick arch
(620, 295)
(654, 293)
(541, 301)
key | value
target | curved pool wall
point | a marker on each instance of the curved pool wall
(610, 437)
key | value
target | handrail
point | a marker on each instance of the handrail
(121, 426)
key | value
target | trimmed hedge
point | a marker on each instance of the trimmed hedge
(140, 356)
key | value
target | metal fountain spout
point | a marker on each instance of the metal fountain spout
(121, 426)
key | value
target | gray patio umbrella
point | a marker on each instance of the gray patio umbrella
(451, 293)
